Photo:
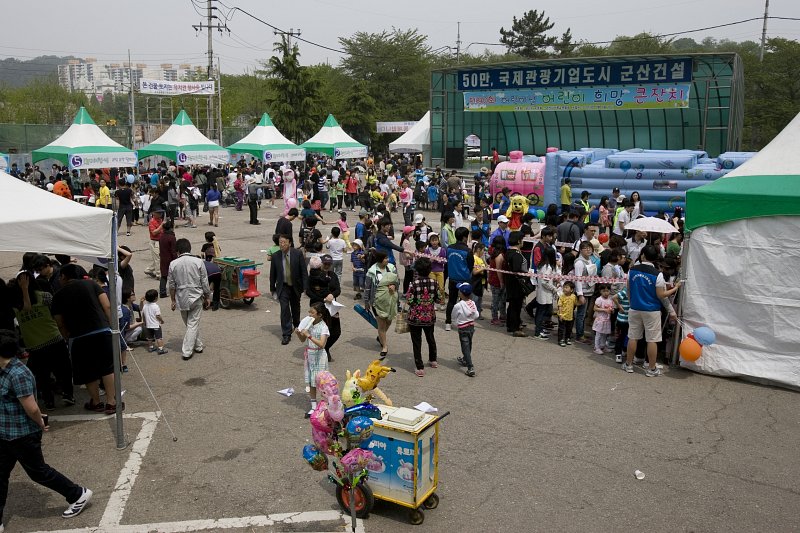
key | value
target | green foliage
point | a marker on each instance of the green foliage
(528, 36)
(294, 101)
(359, 117)
(639, 44)
(244, 98)
(43, 101)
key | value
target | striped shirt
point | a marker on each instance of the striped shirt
(625, 302)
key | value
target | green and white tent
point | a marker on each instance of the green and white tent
(742, 264)
(333, 141)
(183, 143)
(84, 145)
(268, 144)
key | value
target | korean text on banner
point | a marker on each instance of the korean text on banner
(284, 155)
(580, 98)
(673, 70)
(350, 152)
(210, 157)
(102, 160)
(171, 88)
(394, 127)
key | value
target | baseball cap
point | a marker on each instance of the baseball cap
(464, 288)
(408, 229)
(484, 170)
(502, 218)
(327, 259)
(418, 218)
(621, 197)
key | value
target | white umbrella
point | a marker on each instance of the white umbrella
(656, 225)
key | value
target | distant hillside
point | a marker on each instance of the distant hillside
(16, 73)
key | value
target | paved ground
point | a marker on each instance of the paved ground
(543, 439)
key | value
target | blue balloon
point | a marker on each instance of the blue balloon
(625, 166)
(704, 336)
(359, 430)
(130, 179)
(594, 216)
(363, 409)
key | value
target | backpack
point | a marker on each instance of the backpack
(309, 240)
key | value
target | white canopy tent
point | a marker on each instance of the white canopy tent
(417, 139)
(32, 219)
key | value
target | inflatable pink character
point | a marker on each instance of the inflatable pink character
(521, 177)
(289, 190)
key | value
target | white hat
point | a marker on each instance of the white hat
(359, 242)
(621, 197)
(418, 218)
(502, 218)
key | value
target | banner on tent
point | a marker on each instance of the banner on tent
(580, 98)
(203, 157)
(351, 152)
(394, 127)
(672, 70)
(173, 88)
(102, 160)
(284, 155)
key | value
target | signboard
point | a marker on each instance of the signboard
(173, 88)
(284, 155)
(203, 157)
(394, 127)
(580, 98)
(678, 70)
(102, 160)
(350, 152)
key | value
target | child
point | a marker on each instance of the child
(603, 306)
(151, 315)
(478, 280)
(357, 259)
(464, 314)
(566, 313)
(212, 239)
(129, 327)
(345, 229)
(623, 304)
(437, 267)
(337, 247)
(313, 330)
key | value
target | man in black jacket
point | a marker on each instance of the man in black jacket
(515, 262)
(284, 225)
(287, 279)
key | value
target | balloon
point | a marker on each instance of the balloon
(690, 350)
(359, 429)
(130, 179)
(329, 388)
(291, 202)
(363, 409)
(357, 460)
(704, 336)
(323, 440)
(540, 214)
(320, 419)
(50, 187)
(603, 238)
(314, 457)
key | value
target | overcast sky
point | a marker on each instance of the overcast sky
(159, 31)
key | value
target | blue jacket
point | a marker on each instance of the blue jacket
(642, 279)
(383, 244)
(460, 262)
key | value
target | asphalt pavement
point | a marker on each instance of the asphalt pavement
(544, 438)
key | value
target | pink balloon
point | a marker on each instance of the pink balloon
(323, 440)
(291, 202)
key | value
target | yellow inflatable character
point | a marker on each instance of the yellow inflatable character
(518, 207)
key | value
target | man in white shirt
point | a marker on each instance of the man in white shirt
(624, 218)
(190, 293)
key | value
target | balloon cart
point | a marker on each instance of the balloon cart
(239, 280)
(376, 451)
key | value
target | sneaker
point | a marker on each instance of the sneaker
(461, 361)
(569, 342)
(419, 373)
(68, 400)
(519, 333)
(653, 372)
(562, 344)
(162, 351)
(470, 372)
(638, 362)
(447, 327)
(152, 349)
(434, 364)
(627, 368)
(187, 357)
(542, 336)
(124, 368)
(97, 407)
(112, 409)
(128, 234)
(618, 357)
(308, 414)
(80, 504)
(597, 351)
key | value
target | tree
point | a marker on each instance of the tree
(564, 47)
(396, 68)
(640, 44)
(528, 35)
(359, 118)
(293, 105)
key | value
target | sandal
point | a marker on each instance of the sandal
(97, 408)
(383, 355)
(420, 373)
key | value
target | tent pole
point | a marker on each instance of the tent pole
(677, 333)
(115, 333)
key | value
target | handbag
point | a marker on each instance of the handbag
(401, 322)
(205, 207)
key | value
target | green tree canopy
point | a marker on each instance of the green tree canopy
(528, 36)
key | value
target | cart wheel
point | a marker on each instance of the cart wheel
(224, 298)
(248, 301)
(365, 500)
(416, 517)
(432, 502)
(533, 198)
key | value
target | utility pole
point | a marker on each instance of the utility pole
(219, 101)
(458, 43)
(208, 26)
(289, 34)
(764, 32)
(131, 106)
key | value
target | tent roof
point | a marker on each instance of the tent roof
(83, 136)
(329, 138)
(34, 219)
(264, 137)
(417, 139)
(766, 185)
(181, 136)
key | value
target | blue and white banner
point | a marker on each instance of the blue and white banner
(102, 160)
(350, 152)
(203, 157)
(284, 155)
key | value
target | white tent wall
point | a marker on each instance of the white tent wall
(743, 283)
(417, 139)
